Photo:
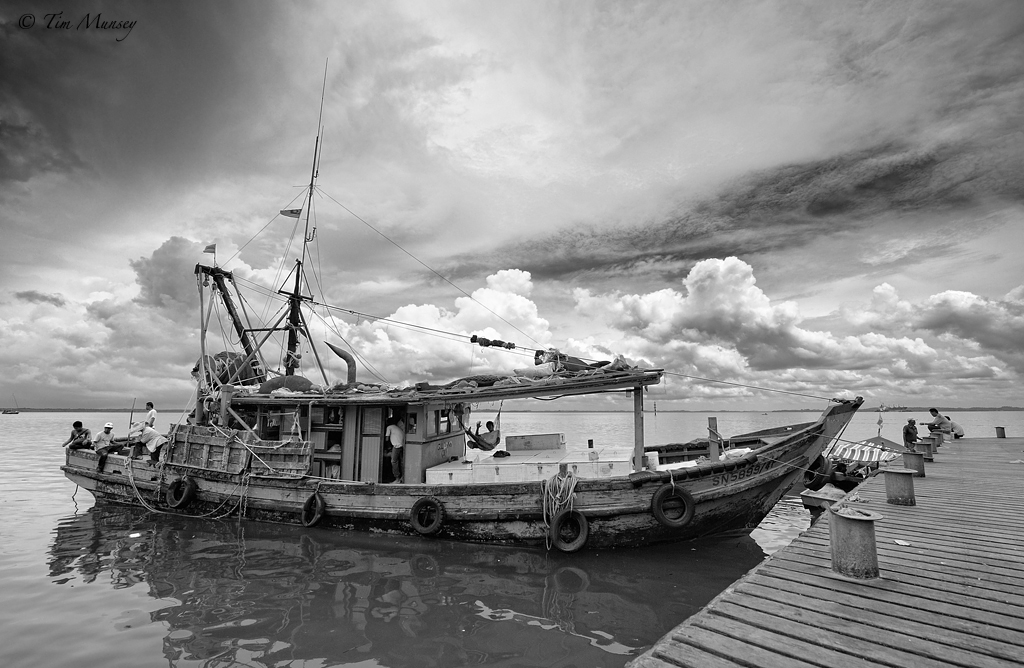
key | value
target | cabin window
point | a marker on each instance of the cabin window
(439, 422)
(333, 416)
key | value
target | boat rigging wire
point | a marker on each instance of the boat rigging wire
(753, 387)
(423, 264)
(260, 231)
(454, 336)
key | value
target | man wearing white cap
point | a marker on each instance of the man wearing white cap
(104, 443)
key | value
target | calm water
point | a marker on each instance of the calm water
(86, 585)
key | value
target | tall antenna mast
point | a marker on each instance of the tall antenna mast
(295, 325)
(315, 171)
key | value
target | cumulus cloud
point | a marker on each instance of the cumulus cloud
(165, 280)
(432, 343)
(722, 325)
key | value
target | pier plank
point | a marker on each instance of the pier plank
(965, 635)
(953, 597)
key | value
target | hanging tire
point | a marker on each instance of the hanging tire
(819, 473)
(673, 506)
(427, 516)
(181, 492)
(569, 530)
(313, 509)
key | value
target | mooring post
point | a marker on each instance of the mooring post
(915, 461)
(899, 487)
(852, 538)
(926, 446)
(226, 392)
(714, 440)
(638, 428)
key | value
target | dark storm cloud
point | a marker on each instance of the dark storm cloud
(36, 297)
(788, 207)
(75, 98)
(27, 150)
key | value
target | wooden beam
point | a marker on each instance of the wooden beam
(638, 428)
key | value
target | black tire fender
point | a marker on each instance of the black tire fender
(673, 506)
(817, 474)
(313, 510)
(560, 531)
(427, 515)
(181, 492)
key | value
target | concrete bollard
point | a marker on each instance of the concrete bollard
(899, 487)
(926, 448)
(915, 461)
(852, 538)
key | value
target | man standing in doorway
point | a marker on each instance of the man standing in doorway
(395, 435)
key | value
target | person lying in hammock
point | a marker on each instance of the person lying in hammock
(485, 441)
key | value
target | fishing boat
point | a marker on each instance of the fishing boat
(15, 410)
(279, 447)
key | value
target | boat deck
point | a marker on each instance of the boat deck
(951, 593)
(525, 466)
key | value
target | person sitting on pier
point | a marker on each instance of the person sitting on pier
(80, 439)
(940, 425)
(485, 441)
(958, 431)
(910, 434)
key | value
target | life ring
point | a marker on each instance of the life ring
(424, 566)
(313, 509)
(181, 492)
(427, 515)
(570, 580)
(561, 530)
(817, 474)
(673, 506)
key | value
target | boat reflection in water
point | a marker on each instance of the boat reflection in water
(280, 595)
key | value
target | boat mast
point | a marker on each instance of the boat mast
(295, 297)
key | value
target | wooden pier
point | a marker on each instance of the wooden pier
(951, 591)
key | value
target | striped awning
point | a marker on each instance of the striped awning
(862, 452)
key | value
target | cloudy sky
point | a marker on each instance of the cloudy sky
(816, 197)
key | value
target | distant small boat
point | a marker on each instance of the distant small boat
(12, 411)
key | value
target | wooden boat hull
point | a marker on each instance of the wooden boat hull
(728, 496)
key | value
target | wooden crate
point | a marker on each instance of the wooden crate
(281, 457)
(205, 448)
(233, 452)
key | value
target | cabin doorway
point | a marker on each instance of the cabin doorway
(387, 449)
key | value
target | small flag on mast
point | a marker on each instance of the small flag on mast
(291, 213)
(212, 248)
